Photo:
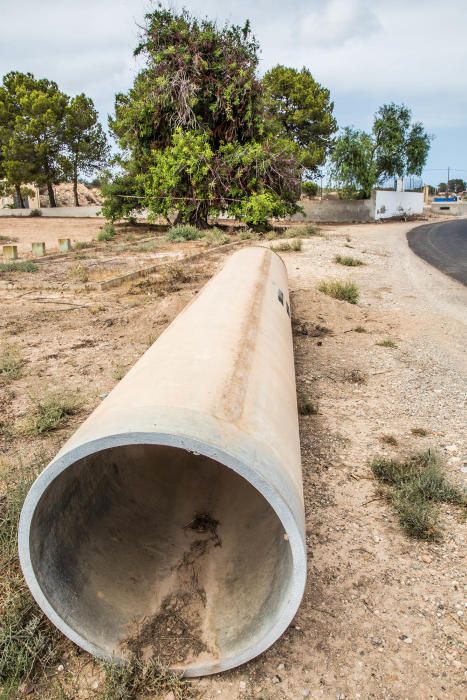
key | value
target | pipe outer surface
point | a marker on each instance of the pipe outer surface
(180, 497)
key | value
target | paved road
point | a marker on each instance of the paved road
(443, 245)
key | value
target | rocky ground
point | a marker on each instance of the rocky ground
(383, 616)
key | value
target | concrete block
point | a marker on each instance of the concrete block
(64, 245)
(38, 249)
(10, 252)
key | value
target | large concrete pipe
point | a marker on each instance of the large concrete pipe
(171, 524)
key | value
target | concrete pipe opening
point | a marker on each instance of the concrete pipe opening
(154, 550)
(171, 524)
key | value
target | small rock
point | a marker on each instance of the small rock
(276, 679)
(95, 685)
(60, 668)
(306, 693)
(242, 685)
(280, 667)
(406, 639)
(427, 559)
(170, 696)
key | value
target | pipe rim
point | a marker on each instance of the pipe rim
(225, 458)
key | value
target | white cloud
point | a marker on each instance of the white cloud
(366, 51)
(337, 22)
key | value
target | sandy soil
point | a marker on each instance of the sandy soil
(383, 616)
(23, 231)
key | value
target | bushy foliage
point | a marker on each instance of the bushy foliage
(192, 129)
(184, 232)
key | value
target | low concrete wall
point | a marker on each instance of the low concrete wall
(450, 208)
(389, 204)
(59, 212)
(336, 210)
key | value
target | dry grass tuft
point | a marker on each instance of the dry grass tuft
(51, 411)
(11, 362)
(348, 261)
(286, 246)
(343, 291)
(387, 343)
(415, 487)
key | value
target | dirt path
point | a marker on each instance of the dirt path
(383, 616)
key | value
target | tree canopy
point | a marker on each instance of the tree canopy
(191, 128)
(45, 136)
(300, 109)
(395, 148)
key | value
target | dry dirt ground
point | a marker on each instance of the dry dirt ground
(23, 231)
(383, 616)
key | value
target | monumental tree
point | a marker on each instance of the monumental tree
(192, 132)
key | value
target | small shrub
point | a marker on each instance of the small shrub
(414, 487)
(348, 261)
(307, 408)
(389, 440)
(136, 679)
(184, 232)
(355, 376)
(23, 266)
(247, 235)
(387, 343)
(286, 246)
(359, 329)
(107, 232)
(309, 189)
(79, 273)
(302, 231)
(82, 245)
(344, 291)
(419, 432)
(215, 237)
(35, 212)
(119, 372)
(11, 362)
(52, 411)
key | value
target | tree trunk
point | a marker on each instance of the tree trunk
(19, 196)
(50, 192)
(199, 217)
(75, 184)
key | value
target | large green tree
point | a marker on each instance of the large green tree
(191, 127)
(395, 148)
(84, 140)
(301, 109)
(31, 123)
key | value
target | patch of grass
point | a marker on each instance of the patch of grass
(415, 486)
(6, 433)
(137, 679)
(247, 235)
(119, 372)
(359, 329)
(307, 408)
(82, 245)
(184, 232)
(344, 291)
(79, 273)
(348, 261)
(286, 246)
(355, 376)
(107, 232)
(389, 440)
(30, 647)
(52, 411)
(148, 245)
(35, 212)
(216, 237)
(11, 362)
(22, 266)
(303, 231)
(170, 279)
(387, 343)
(419, 432)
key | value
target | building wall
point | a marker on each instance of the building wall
(65, 212)
(336, 210)
(449, 208)
(389, 204)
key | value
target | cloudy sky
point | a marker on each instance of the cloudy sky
(366, 52)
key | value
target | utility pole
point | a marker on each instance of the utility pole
(447, 183)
